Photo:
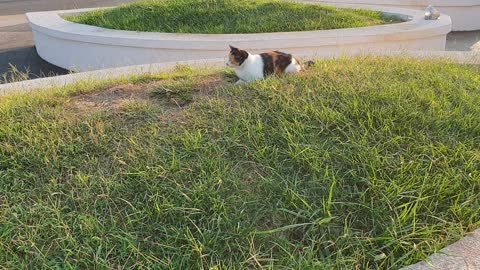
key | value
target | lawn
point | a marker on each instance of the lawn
(365, 163)
(228, 17)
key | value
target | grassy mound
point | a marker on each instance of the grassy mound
(228, 16)
(365, 163)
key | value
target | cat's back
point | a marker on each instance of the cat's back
(278, 63)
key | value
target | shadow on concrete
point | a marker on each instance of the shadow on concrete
(463, 41)
(25, 63)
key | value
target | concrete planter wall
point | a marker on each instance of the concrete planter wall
(82, 48)
(464, 13)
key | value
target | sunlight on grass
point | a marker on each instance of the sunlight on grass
(364, 163)
(228, 16)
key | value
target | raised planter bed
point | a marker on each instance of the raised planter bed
(464, 13)
(81, 47)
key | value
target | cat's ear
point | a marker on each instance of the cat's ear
(233, 48)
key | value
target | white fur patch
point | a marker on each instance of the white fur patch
(251, 69)
(294, 67)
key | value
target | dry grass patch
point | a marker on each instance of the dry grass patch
(170, 94)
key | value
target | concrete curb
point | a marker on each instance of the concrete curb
(461, 255)
(121, 72)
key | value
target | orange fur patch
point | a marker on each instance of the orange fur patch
(275, 62)
(231, 57)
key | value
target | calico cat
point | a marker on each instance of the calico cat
(252, 67)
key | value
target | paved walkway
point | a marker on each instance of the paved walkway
(16, 49)
(10, 7)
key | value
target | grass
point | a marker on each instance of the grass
(228, 17)
(365, 163)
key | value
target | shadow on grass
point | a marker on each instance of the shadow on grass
(23, 64)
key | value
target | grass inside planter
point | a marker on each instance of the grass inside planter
(228, 16)
(366, 163)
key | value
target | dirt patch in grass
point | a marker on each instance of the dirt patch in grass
(110, 99)
(170, 94)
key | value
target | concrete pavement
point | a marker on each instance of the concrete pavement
(11, 7)
(461, 255)
(16, 49)
(464, 41)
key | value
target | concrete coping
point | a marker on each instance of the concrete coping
(461, 255)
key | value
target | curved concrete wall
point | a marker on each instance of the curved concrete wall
(82, 48)
(464, 13)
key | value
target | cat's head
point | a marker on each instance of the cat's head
(236, 57)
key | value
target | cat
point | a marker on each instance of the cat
(251, 67)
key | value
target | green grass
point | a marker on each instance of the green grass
(228, 16)
(366, 163)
